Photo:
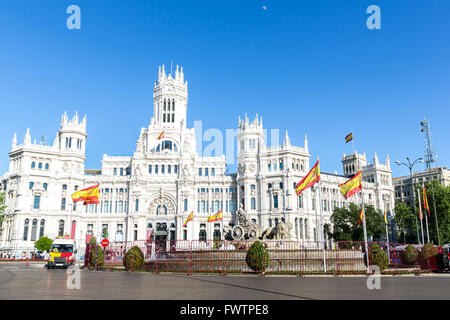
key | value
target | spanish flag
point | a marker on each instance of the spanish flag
(89, 195)
(190, 218)
(425, 201)
(351, 186)
(309, 180)
(349, 137)
(361, 216)
(385, 220)
(217, 217)
(161, 135)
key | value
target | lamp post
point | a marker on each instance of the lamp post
(410, 166)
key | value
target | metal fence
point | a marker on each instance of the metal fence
(227, 257)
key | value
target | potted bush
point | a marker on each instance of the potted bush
(378, 257)
(409, 256)
(257, 257)
(134, 259)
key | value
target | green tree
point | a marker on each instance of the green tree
(442, 196)
(346, 226)
(43, 244)
(105, 233)
(406, 221)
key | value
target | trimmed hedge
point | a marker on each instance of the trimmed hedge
(257, 257)
(409, 256)
(378, 257)
(100, 257)
(428, 251)
(134, 259)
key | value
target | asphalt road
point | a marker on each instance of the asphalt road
(18, 281)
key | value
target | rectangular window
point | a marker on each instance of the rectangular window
(185, 204)
(63, 204)
(156, 168)
(253, 203)
(200, 171)
(169, 169)
(150, 169)
(213, 172)
(137, 205)
(31, 185)
(175, 169)
(275, 201)
(184, 234)
(37, 200)
(206, 172)
(162, 169)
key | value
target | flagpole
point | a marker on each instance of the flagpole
(363, 208)
(387, 235)
(322, 238)
(426, 218)
(420, 215)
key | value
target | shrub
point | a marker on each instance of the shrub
(100, 257)
(378, 257)
(134, 259)
(93, 240)
(428, 250)
(409, 256)
(257, 257)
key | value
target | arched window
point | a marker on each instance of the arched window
(202, 235)
(216, 234)
(33, 165)
(41, 229)
(25, 229)
(161, 210)
(34, 230)
(47, 166)
(45, 186)
(167, 146)
(61, 228)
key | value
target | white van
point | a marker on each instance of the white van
(62, 253)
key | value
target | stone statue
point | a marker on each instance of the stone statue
(279, 232)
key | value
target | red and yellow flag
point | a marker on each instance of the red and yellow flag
(361, 216)
(349, 137)
(217, 217)
(309, 180)
(425, 201)
(89, 195)
(352, 186)
(190, 218)
(161, 135)
(385, 220)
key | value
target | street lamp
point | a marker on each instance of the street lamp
(410, 167)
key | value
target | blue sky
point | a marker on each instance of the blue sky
(311, 67)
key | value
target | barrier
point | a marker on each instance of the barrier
(228, 257)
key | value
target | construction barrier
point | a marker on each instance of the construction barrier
(280, 257)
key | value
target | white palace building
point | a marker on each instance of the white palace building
(152, 192)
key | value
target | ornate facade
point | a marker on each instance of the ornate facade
(152, 192)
